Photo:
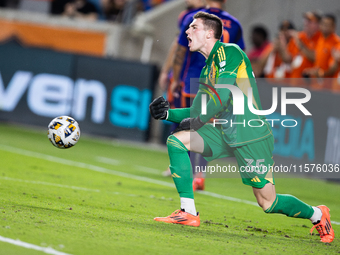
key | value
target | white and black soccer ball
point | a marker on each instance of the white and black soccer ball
(63, 132)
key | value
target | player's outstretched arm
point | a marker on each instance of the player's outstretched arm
(189, 124)
(160, 110)
(193, 122)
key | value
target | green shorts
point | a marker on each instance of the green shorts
(255, 160)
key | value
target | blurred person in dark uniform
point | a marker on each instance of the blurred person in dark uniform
(113, 9)
(58, 6)
(259, 40)
(80, 9)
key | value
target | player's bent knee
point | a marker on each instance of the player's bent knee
(265, 206)
(265, 203)
(262, 204)
(174, 143)
(269, 207)
(184, 137)
(265, 196)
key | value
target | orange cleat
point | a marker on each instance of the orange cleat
(324, 227)
(198, 184)
(181, 217)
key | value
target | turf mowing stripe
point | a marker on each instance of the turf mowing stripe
(49, 184)
(211, 194)
(114, 172)
(47, 250)
(63, 186)
(82, 165)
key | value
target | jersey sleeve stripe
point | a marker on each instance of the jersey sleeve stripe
(219, 55)
(223, 53)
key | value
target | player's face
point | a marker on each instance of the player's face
(196, 35)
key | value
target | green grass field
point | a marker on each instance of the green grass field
(100, 197)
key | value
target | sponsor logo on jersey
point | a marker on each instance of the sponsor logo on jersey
(221, 55)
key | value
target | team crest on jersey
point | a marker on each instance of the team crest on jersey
(212, 74)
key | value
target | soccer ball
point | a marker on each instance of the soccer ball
(63, 132)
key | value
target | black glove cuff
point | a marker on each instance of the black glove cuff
(196, 123)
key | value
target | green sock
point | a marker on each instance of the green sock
(290, 206)
(180, 167)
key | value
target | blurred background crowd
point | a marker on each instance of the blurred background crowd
(109, 10)
(309, 50)
(312, 53)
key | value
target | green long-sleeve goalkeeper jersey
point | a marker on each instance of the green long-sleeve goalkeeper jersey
(227, 64)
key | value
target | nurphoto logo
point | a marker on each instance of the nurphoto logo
(238, 104)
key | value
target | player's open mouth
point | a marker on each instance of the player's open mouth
(189, 41)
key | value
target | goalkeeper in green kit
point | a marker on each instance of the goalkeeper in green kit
(252, 145)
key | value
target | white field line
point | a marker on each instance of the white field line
(63, 186)
(114, 172)
(132, 195)
(82, 165)
(147, 169)
(48, 184)
(110, 161)
(47, 250)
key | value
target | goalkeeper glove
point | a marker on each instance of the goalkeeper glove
(159, 108)
(192, 124)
